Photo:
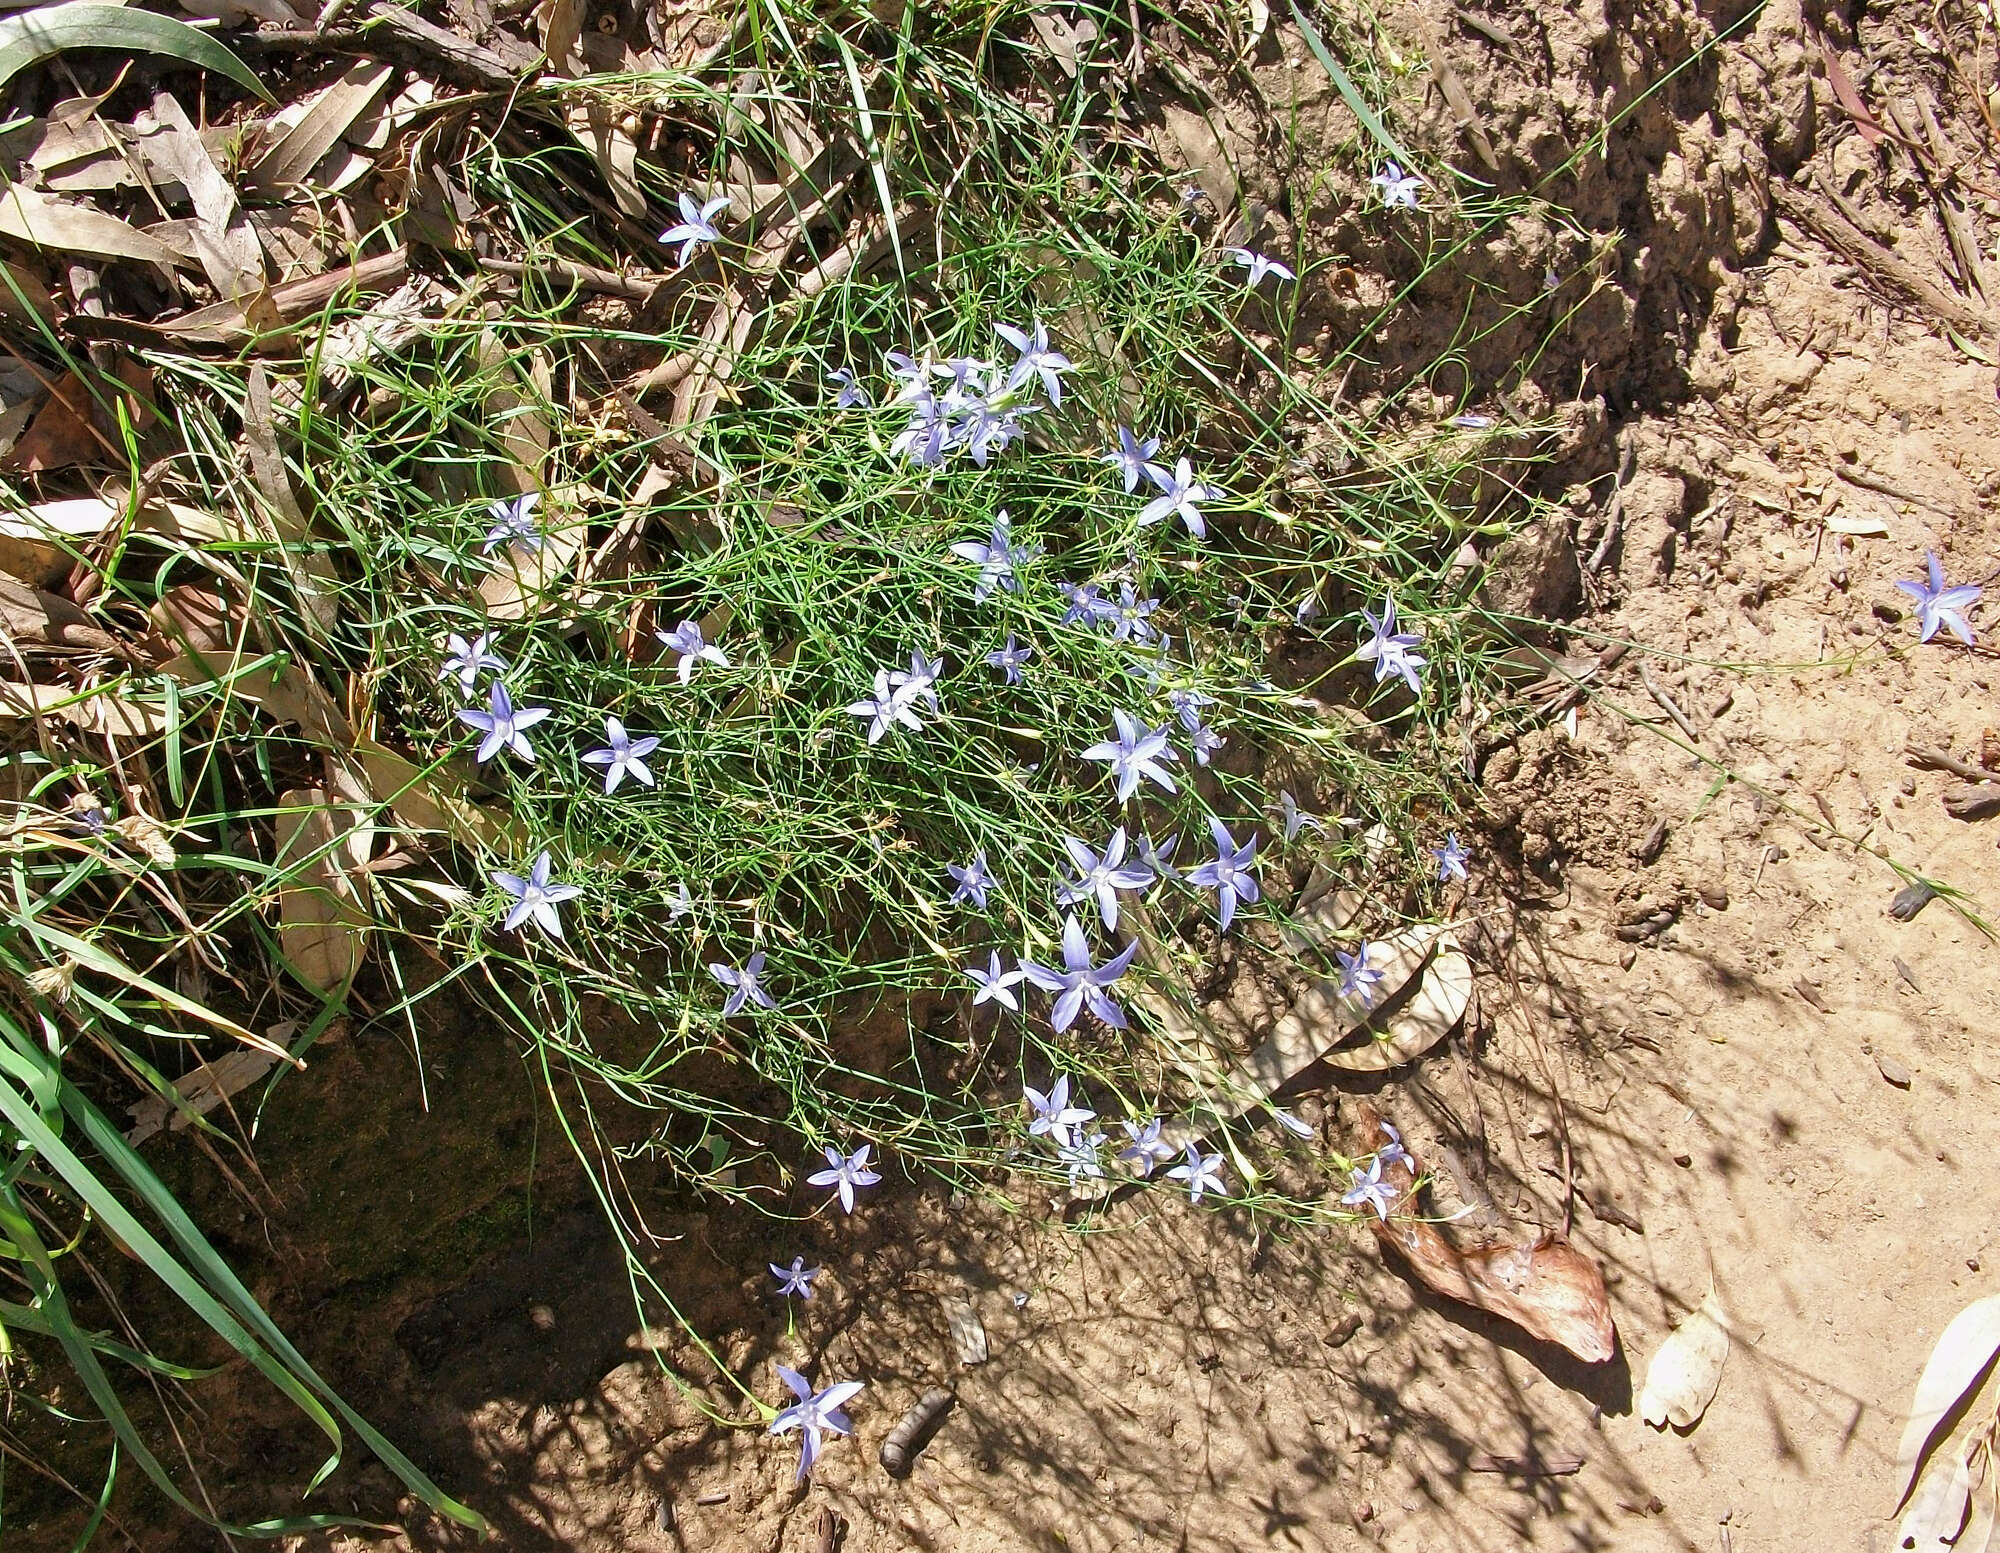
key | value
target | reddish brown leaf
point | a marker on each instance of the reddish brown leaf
(1547, 1287)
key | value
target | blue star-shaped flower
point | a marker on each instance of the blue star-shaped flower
(1200, 1172)
(1228, 873)
(1079, 984)
(1037, 360)
(1358, 979)
(1397, 186)
(1133, 459)
(685, 640)
(695, 227)
(844, 1173)
(1938, 605)
(1101, 876)
(623, 756)
(1451, 859)
(1179, 492)
(746, 985)
(465, 661)
(535, 897)
(796, 1279)
(1135, 752)
(815, 1415)
(972, 880)
(1390, 650)
(502, 722)
(1259, 265)
(1009, 659)
(1368, 1187)
(514, 524)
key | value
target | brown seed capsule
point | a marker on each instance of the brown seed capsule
(907, 1440)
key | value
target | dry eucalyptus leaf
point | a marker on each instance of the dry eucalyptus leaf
(595, 125)
(425, 803)
(1937, 1514)
(32, 617)
(1430, 1015)
(299, 150)
(111, 713)
(1546, 1287)
(202, 1090)
(322, 926)
(1958, 1362)
(39, 543)
(72, 229)
(1681, 1380)
(225, 243)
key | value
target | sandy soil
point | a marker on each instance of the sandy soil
(1763, 1084)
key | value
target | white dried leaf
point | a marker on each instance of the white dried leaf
(1956, 1364)
(1681, 1380)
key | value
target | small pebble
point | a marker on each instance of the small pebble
(1892, 1070)
(1715, 897)
(712, 1498)
(1626, 957)
(1972, 1263)
(1685, 1161)
(541, 1318)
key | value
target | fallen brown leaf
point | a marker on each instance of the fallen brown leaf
(322, 927)
(1546, 1287)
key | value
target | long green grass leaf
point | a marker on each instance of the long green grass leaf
(1350, 93)
(42, 34)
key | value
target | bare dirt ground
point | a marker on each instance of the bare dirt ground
(1763, 1084)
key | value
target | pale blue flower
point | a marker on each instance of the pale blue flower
(844, 1173)
(888, 707)
(973, 881)
(1228, 874)
(1938, 605)
(1037, 360)
(1187, 705)
(535, 897)
(1133, 459)
(998, 558)
(1296, 819)
(1391, 650)
(920, 682)
(514, 524)
(1451, 859)
(1205, 742)
(1289, 1122)
(502, 722)
(686, 640)
(1358, 979)
(1201, 1173)
(1009, 659)
(1398, 187)
(1393, 1152)
(466, 660)
(851, 391)
(695, 227)
(1129, 617)
(995, 984)
(1179, 492)
(967, 373)
(624, 756)
(1087, 604)
(1136, 752)
(1369, 1188)
(985, 428)
(814, 1415)
(1079, 984)
(1259, 265)
(680, 903)
(796, 1279)
(1101, 876)
(1147, 1148)
(1472, 422)
(1083, 1157)
(746, 985)
(1053, 1116)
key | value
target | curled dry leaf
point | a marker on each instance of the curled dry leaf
(1681, 1380)
(1937, 1515)
(1958, 1364)
(1546, 1287)
(73, 229)
(113, 712)
(201, 1091)
(322, 926)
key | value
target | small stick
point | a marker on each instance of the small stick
(586, 277)
(907, 1440)
(1938, 760)
(1668, 705)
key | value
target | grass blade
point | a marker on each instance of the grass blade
(1349, 92)
(43, 34)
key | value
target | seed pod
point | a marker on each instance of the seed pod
(907, 1440)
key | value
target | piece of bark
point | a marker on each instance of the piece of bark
(1972, 803)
